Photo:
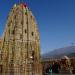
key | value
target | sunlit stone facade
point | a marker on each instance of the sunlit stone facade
(21, 43)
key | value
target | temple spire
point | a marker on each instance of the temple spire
(21, 44)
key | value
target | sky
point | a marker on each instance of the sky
(55, 18)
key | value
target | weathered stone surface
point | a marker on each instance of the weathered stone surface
(21, 44)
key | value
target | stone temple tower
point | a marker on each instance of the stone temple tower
(21, 43)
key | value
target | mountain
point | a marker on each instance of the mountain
(58, 53)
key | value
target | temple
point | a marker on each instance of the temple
(21, 43)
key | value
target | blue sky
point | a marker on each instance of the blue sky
(55, 18)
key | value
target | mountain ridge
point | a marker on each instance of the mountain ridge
(58, 53)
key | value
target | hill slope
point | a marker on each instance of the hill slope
(58, 53)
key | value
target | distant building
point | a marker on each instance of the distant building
(21, 43)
